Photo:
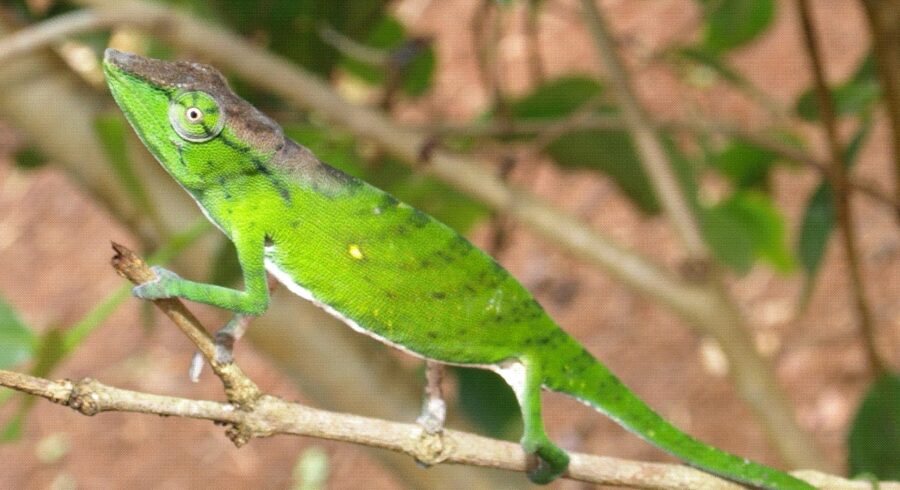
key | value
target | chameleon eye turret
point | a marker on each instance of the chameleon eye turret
(196, 116)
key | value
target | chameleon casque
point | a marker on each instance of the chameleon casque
(385, 268)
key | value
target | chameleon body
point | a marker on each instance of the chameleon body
(385, 268)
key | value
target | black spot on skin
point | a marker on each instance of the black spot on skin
(401, 230)
(387, 202)
(470, 288)
(425, 263)
(445, 256)
(207, 131)
(224, 186)
(268, 241)
(432, 334)
(234, 145)
(438, 295)
(544, 340)
(295, 224)
(390, 295)
(419, 219)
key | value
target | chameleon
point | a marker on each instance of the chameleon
(383, 267)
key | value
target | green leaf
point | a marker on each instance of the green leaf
(818, 222)
(745, 164)
(744, 227)
(29, 157)
(731, 23)
(819, 216)
(556, 98)
(17, 340)
(612, 152)
(874, 439)
(488, 401)
(856, 96)
(418, 74)
(415, 59)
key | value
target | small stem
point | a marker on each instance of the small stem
(653, 155)
(837, 177)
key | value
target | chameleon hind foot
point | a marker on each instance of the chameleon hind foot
(549, 463)
(434, 409)
(224, 341)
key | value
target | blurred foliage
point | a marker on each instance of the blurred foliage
(488, 402)
(732, 23)
(29, 157)
(874, 439)
(819, 216)
(17, 340)
(855, 97)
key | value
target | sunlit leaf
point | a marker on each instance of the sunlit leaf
(874, 439)
(747, 226)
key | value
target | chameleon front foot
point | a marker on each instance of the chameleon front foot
(549, 463)
(434, 409)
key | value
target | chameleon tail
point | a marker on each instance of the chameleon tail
(581, 376)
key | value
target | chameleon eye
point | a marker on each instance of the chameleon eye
(196, 116)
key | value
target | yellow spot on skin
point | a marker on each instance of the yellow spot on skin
(355, 251)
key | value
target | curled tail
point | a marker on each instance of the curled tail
(584, 378)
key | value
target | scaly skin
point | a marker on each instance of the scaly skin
(383, 267)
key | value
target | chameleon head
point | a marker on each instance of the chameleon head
(187, 116)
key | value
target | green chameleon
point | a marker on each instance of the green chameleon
(385, 268)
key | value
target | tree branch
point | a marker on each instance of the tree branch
(837, 177)
(271, 415)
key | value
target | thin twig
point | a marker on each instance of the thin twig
(271, 416)
(884, 26)
(238, 387)
(653, 154)
(837, 177)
